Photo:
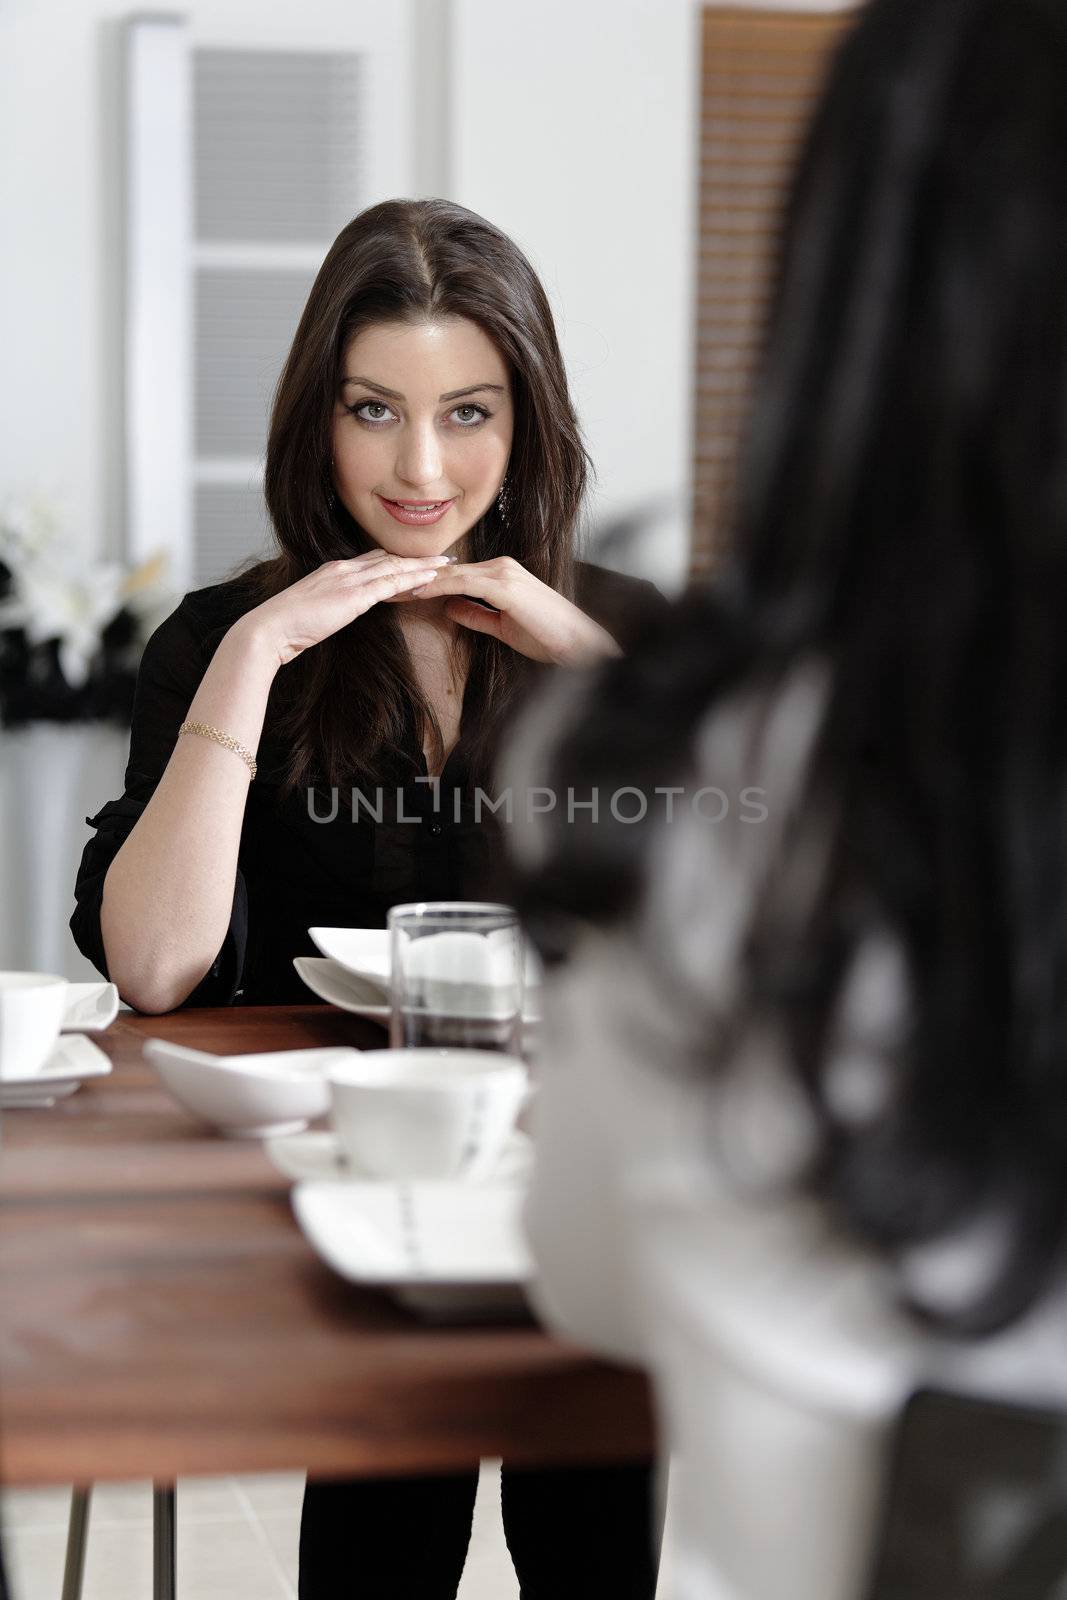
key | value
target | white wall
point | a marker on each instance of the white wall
(574, 129)
(570, 123)
(574, 126)
(61, 218)
(61, 324)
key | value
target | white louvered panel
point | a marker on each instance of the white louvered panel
(278, 149)
(244, 326)
(231, 526)
(279, 169)
(231, 257)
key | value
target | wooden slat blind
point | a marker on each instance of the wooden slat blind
(761, 72)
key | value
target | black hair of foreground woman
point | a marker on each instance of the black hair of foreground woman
(902, 518)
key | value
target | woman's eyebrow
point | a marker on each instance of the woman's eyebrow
(475, 388)
(453, 394)
(369, 383)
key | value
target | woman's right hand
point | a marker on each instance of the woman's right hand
(334, 595)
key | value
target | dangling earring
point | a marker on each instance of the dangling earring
(502, 500)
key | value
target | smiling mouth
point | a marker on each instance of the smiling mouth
(418, 512)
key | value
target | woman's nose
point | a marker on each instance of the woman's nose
(419, 461)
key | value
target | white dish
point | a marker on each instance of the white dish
(445, 1249)
(91, 1007)
(73, 1060)
(332, 983)
(248, 1096)
(316, 1157)
(364, 952)
(356, 992)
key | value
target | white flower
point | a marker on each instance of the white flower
(27, 529)
(71, 603)
(59, 595)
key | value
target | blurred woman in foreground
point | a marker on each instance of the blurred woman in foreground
(803, 1121)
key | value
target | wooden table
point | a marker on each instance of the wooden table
(162, 1315)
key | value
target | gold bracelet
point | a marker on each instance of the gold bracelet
(219, 737)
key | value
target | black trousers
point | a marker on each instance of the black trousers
(574, 1533)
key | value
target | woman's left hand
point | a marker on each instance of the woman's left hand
(527, 615)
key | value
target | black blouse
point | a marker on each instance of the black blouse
(305, 860)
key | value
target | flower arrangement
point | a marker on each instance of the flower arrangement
(71, 629)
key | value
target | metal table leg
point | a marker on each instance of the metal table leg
(77, 1537)
(164, 1585)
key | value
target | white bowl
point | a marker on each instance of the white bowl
(32, 1007)
(249, 1096)
(362, 951)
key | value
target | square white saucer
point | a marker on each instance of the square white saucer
(315, 1156)
(447, 1250)
(360, 993)
(365, 953)
(74, 1059)
(364, 997)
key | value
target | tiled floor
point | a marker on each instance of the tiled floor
(237, 1540)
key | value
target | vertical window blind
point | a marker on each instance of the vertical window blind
(761, 72)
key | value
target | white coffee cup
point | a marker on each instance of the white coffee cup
(426, 1113)
(32, 1006)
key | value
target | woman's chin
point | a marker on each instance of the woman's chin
(399, 541)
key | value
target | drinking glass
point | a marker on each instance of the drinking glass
(457, 976)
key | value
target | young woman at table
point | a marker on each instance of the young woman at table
(802, 1126)
(424, 478)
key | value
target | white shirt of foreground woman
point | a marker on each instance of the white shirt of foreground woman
(668, 1233)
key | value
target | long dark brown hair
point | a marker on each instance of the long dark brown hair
(342, 708)
(903, 518)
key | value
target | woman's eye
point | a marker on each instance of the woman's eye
(469, 416)
(371, 411)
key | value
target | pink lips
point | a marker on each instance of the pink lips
(416, 513)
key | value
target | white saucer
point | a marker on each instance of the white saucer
(91, 1007)
(73, 1059)
(315, 1156)
(448, 1250)
(365, 953)
(363, 995)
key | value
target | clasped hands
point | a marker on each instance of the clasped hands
(526, 614)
